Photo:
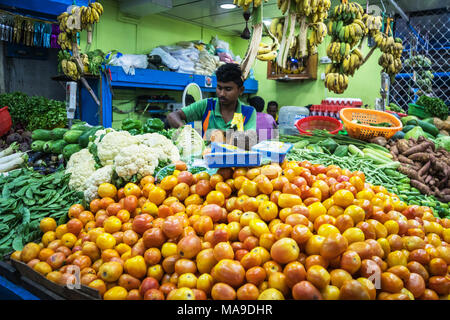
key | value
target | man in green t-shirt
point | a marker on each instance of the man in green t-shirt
(221, 113)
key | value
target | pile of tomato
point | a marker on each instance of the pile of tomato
(295, 231)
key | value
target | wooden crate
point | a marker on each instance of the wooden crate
(84, 293)
(310, 72)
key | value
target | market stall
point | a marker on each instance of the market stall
(346, 202)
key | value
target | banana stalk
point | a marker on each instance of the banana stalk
(286, 40)
(252, 50)
(303, 37)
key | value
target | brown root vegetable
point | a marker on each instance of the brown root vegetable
(411, 173)
(394, 150)
(379, 140)
(420, 186)
(444, 198)
(424, 169)
(404, 159)
(438, 123)
(422, 157)
(402, 145)
(417, 148)
(443, 132)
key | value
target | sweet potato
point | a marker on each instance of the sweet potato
(421, 187)
(404, 159)
(424, 169)
(402, 145)
(417, 148)
(411, 173)
(422, 157)
(394, 150)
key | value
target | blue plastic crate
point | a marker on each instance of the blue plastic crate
(233, 159)
(222, 147)
(274, 150)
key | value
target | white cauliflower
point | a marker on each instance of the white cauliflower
(135, 159)
(99, 133)
(112, 143)
(81, 165)
(102, 175)
(164, 147)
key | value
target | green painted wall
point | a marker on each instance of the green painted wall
(364, 85)
(155, 30)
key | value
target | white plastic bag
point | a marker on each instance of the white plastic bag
(129, 62)
(166, 58)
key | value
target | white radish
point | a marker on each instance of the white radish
(13, 164)
(10, 150)
(11, 157)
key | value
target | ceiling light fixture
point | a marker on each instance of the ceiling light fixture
(228, 6)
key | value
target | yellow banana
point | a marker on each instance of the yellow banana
(267, 56)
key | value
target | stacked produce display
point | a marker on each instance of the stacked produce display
(136, 213)
(268, 233)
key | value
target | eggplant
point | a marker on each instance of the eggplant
(35, 156)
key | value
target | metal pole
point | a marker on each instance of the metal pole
(400, 10)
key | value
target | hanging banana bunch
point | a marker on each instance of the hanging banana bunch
(245, 4)
(392, 48)
(347, 29)
(80, 18)
(310, 15)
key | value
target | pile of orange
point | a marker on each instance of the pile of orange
(295, 231)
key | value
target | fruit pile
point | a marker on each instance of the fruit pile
(295, 231)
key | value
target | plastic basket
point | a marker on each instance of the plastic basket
(418, 111)
(309, 124)
(5, 121)
(364, 131)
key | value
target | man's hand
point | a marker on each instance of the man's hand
(176, 119)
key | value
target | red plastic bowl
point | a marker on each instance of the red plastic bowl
(309, 124)
(5, 121)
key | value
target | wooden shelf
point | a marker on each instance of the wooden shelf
(310, 72)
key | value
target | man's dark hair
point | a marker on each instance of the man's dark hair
(189, 99)
(257, 103)
(273, 103)
(230, 72)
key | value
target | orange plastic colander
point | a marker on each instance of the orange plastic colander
(364, 131)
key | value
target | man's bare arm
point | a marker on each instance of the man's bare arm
(176, 119)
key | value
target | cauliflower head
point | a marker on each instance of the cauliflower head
(135, 159)
(111, 144)
(102, 175)
(99, 133)
(80, 165)
(163, 146)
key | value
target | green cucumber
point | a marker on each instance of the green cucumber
(41, 134)
(83, 139)
(58, 133)
(72, 136)
(428, 127)
(407, 128)
(398, 135)
(37, 145)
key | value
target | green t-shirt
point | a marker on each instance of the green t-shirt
(195, 111)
